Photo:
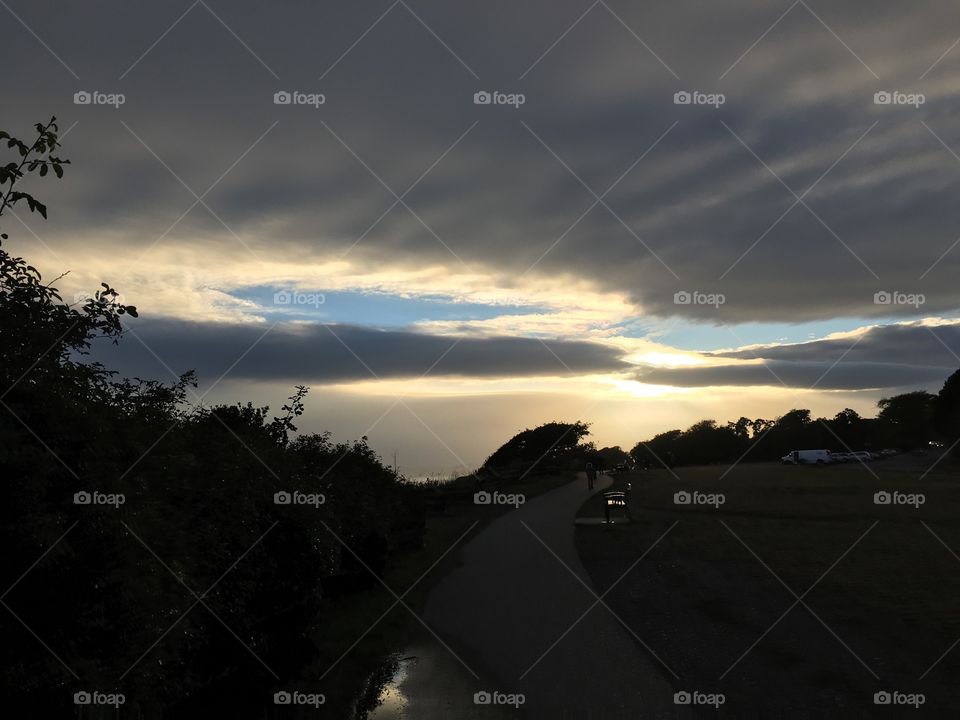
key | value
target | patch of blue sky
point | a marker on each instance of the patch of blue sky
(370, 308)
(688, 335)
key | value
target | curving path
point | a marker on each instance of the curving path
(509, 607)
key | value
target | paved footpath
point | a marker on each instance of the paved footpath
(509, 607)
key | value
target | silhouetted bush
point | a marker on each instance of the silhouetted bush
(198, 573)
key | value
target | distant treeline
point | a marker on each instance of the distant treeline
(910, 421)
(905, 422)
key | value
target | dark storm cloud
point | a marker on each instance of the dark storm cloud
(313, 353)
(912, 344)
(883, 357)
(681, 219)
(822, 375)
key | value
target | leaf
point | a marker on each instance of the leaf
(132, 310)
(58, 170)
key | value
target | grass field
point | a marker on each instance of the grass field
(716, 599)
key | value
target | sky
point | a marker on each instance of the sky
(454, 221)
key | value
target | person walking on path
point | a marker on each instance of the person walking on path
(591, 475)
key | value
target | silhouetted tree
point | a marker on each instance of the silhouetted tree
(611, 457)
(656, 451)
(849, 429)
(759, 426)
(547, 447)
(947, 412)
(741, 428)
(909, 418)
(794, 420)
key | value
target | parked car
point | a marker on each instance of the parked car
(841, 457)
(807, 457)
(862, 456)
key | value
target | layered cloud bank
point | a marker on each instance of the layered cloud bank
(676, 168)
(329, 354)
(800, 197)
(893, 356)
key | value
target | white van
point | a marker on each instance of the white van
(807, 457)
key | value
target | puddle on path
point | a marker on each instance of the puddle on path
(431, 684)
